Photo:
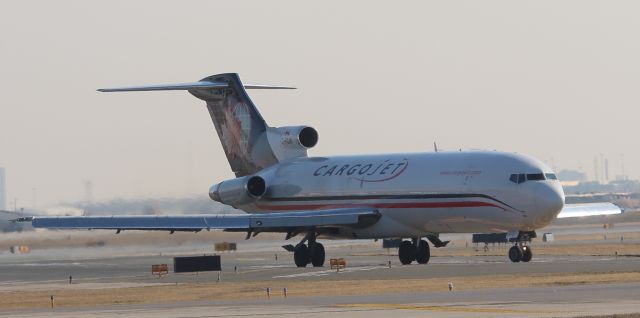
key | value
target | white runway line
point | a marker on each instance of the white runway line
(331, 271)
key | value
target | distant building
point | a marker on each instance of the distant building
(590, 187)
(571, 175)
(571, 178)
(3, 191)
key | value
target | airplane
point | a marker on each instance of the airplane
(6, 224)
(412, 196)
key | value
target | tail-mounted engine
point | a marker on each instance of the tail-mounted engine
(286, 143)
(239, 191)
(291, 141)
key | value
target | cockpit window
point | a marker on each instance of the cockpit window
(518, 178)
(535, 176)
(521, 177)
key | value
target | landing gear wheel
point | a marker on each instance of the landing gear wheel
(526, 254)
(406, 252)
(301, 255)
(316, 254)
(515, 254)
(423, 253)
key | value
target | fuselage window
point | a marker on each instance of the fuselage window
(535, 176)
(551, 176)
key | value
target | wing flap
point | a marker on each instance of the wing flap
(237, 222)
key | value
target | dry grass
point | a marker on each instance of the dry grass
(634, 315)
(257, 290)
(78, 238)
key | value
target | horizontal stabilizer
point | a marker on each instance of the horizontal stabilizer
(259, 86)
(187, 86)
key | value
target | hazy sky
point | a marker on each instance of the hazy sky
(559, 80)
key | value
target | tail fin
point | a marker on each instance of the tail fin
(241, 128)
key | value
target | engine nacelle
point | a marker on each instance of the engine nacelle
(238, 191)
(291, 141)
(307, 137)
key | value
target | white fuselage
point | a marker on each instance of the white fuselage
(419, 193)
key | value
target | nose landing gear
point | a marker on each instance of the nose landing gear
(520, 253)
(414, 250)
(526, 254)
(515, 253)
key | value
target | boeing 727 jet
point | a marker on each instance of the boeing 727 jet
(413, 196)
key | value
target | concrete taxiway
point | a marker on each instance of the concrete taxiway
(265, 260)
(263, 267)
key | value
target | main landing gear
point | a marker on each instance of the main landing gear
(414, 250)
(313, 252)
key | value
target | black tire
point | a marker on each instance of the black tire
(515, 254)
(301, 255)
(406, 252)
(526, 254)
(423, 254)
(317, 254)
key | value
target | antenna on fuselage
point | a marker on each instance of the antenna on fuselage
(435, 147)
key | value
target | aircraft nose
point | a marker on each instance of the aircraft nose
(549, 201)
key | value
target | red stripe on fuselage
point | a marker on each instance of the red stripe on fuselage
(407, 205)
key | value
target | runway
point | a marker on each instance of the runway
(364, 262)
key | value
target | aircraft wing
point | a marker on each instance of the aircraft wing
(256, 222)
(589, 209)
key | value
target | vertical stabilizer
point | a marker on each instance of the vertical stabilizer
(241, 128)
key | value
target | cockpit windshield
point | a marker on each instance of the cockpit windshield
(523, 177)
(535, 177)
